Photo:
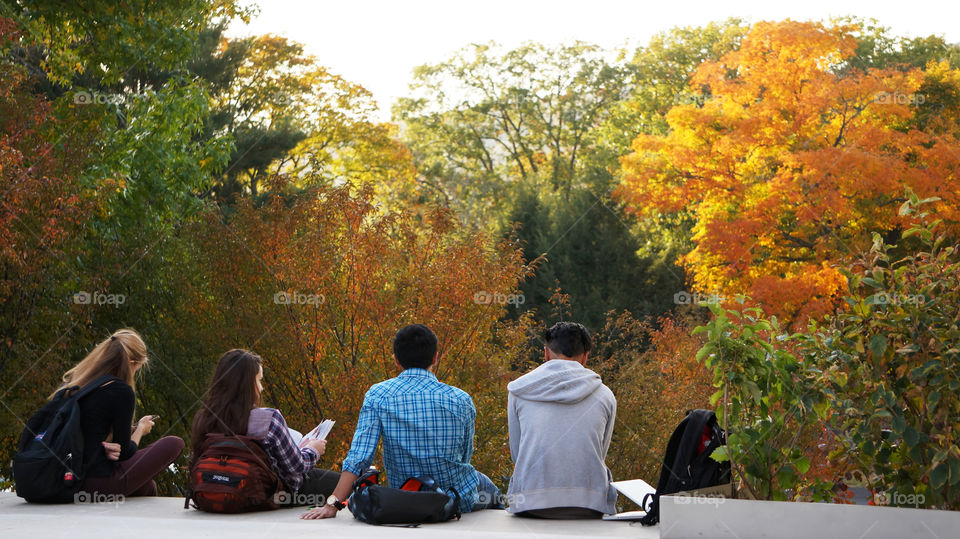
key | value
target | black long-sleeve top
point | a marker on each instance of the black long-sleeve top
(105, 410)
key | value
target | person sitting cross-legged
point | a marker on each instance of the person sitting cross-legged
(427, 429)
(561, 418)
(114, 461)
(231, 406)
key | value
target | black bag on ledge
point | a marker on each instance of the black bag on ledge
(418, 500)
(687, 464)
(49, 464)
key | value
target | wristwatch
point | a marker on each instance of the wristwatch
(335, 502)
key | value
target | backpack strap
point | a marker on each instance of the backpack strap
(367, 478)
(652, 508)
(456, 503)
(87, 389)
(648, 497)
(670, 456)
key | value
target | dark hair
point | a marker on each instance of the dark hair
(414, 346)
(568, 338)
(230, 397)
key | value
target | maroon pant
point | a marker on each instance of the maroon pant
(134, 476)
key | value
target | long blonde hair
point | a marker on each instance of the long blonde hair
(112, 356)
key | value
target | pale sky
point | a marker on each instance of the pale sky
(377, 43)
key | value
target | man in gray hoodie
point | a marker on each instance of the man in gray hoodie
(561, 420)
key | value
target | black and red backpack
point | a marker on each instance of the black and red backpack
(418, 500)
(686, 462)
(232, 474)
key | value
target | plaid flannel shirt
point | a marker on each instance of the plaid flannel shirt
(289, 461)
(427, 429)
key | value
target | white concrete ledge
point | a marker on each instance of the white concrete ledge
(166, 517)
(717, 518)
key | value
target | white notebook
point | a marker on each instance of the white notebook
(319, 432)
(635, 489)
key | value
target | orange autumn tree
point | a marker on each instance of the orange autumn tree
(792, 157)
(317, 283)
(653, 371)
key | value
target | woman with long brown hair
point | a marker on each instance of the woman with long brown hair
(112, 460)
(231, 406)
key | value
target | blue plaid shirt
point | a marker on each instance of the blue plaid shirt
(427, 429)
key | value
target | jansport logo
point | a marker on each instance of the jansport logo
(221, 479)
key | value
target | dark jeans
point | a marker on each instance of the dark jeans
(317, 484)
(134, 476)
(568, 513)
(489, 497)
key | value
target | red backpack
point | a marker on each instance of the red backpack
(233, 474)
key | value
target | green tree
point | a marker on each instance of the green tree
(120, 138)
(288, 115)
(107, 40)
(509, 138)
(486, 118)
(661, 79)
(878, 48)
(585, 245)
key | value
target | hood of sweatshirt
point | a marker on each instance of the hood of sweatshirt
(558, 380)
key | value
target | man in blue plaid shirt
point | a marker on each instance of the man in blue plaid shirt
(426, 427)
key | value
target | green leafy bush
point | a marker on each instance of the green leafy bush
(890, 368)
(882, 376)
(770, 402)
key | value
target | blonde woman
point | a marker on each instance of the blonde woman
(113, 462)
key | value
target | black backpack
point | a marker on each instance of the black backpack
(418, 500)
(687, 464)
(49, 464)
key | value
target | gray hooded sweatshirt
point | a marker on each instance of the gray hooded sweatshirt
(561, 420)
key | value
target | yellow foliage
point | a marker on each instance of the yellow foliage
(789, 162)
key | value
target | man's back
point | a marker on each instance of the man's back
(427, 428)
(561, 421)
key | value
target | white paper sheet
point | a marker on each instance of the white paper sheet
(635, 489)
